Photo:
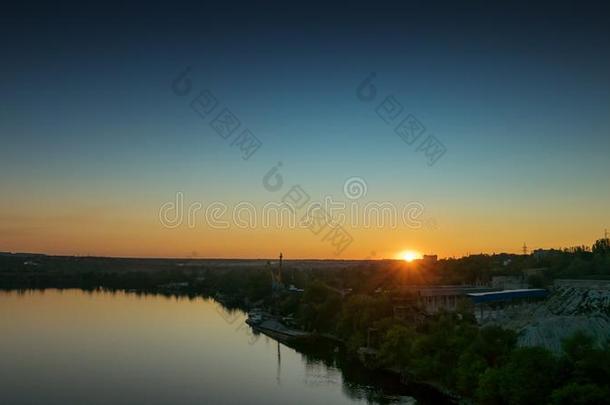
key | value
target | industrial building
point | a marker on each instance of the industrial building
(433, 299)
(490, 305)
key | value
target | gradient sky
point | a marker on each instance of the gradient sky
(94, 141)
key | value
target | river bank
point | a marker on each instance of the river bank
(74, 346)
(262, 322)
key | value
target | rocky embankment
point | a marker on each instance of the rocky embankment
(573, 305)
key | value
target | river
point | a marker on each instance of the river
(71, 346)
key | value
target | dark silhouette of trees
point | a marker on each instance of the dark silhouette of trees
(601, 247)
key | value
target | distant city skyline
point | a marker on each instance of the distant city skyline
(97, 139)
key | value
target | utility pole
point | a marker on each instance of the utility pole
(524, 248)
(280, 269)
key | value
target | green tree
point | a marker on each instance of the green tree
(488, 391)
(361, 312)
(585, 362)
(580, 394)
(601, 246)
(397, 346)
(470, 366)
(528, 377)
(495, 343)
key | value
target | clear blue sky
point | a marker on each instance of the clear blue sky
(519, 96)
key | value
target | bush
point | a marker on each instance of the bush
(577, 394)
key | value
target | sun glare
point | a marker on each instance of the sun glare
(409, 255)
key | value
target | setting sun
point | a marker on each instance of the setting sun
(409, 255)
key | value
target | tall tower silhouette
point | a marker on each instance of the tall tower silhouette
(279, 275)
(524, 248)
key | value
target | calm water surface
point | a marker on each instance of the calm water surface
(74, 347)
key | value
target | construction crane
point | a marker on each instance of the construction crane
(276, 276)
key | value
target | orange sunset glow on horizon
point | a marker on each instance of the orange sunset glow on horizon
(349, 156)
(409, 255)
(225, 203)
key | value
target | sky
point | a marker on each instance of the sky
(101, 137)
